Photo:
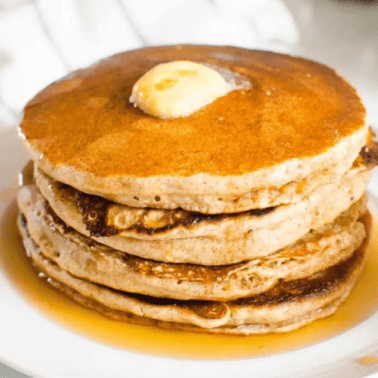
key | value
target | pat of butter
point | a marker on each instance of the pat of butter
(177, 89)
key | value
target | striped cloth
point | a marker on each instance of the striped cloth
(42, 40)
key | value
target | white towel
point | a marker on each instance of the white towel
(42, 40)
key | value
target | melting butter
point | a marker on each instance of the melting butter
(178, 89)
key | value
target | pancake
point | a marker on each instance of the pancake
(321, 208)
(105, 218)
(245, 214)
(286, 307)
(297, 119)
(84, 258)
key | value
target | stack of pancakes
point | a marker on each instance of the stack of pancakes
(248, 216)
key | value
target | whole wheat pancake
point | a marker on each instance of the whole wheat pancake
(286, 307)
(233, 248)
(297, 119)
(102, 217)
(84, 258)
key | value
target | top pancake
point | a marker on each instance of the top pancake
(296, 118)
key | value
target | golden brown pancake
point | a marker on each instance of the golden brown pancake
(287, 306)
(102, 217)
(276, 229)
(298, 118)
(85, 258)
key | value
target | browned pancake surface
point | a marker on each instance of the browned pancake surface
(295, 109)
(320, 291)
(95, 211)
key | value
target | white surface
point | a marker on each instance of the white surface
(339, 34)
(41, 40)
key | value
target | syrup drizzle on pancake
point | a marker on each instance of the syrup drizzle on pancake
(310, 109)
(62, 310)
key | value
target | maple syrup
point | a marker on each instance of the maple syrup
(362, 303)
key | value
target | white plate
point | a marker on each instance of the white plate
(39, 347)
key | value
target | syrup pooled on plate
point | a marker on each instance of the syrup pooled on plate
(362, 302)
